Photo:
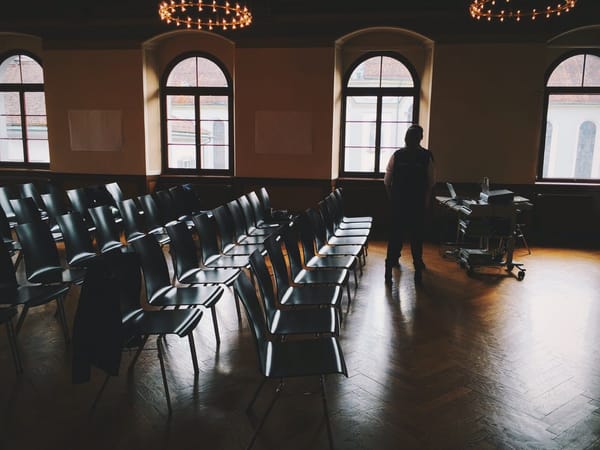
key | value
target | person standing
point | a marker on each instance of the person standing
(409, 180)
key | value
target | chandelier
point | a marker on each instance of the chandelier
(205, 15)
(502, 10)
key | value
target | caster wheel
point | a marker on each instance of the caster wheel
(521, 275)
(510, 267)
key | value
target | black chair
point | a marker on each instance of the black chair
(29, 296)
(79, 248)
(290, 321)
(259, 214)
(133, 226)
(334, 209)
(5, 196)
(81, 203)
(209, 246)
(107, 233)
(154, 222)
(338, 246)
(166, 207)
(191, 200)
(338, 193)
(252, 228)
(289, 358)
(114, 190)
(291, 295)
(240, 227)
(183, 203)
(110, 317)
(26, 212)
(229, 245)
(273, 215)
(29, 190)
(55, 206)
(6, 315)
(11, 244)
(160, 292)
(42, 262)
(334, 227)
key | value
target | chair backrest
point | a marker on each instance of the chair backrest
(225, 225)
(265, 284)
(154, 266)
(76, 236)
(290, 239)
(115, 192)
(240, 226)
(263, 196)
(5, 196)
(152, 216)
(178, 201)
(192, 201)
(183, 249)
(54, 205)
(107, 233)
(246, 208)
(80, 203)
(318, 227)
(25, 210)
(5, 227)
(273, 247)
(307, 237)
(327, 220)
(29, 190)
(42, 263)
(205, 227)
(257, 209)
(332, 208)
(8, 277)
(256, 318)
(165, 205)
(132, 221)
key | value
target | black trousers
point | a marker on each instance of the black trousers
(408, 221)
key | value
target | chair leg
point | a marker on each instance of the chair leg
(62, 317)
(12, 341)
(164, 375)
(349, 293)
(266, 414)
(255, 396)
(193, 352)
(237, 305)
(19, 258)
(137, 354)
(215, 325)
(324, 395)
(355, 276)
(22, 318)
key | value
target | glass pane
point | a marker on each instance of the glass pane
(585, 150)
(182, 157)
(592, 71)
(568, 73)
(359, 160)
(183, 74)
(361, 108)
(38, 151)
(397, 109)
(180, 107)
(37, 127)
(31, 70)
(11, 150)
(214, 132)
(568, 113)
(214, 107)
(360, 134)
(35, 104)
(392, 134)
(215, 157)
(9, 103)
(384, 157)
(547, 149)
(367, 73)
(10, 127)
(10, 70)
(181, 132)
(209, 74)
(395, 74)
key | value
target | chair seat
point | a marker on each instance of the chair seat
(331, 261)
(189, 296)
(354, 225)
(357, 219)
(241, 249)
(254, 231)
(337, 250)
(326, 276)
(347, 240)
(305, 321)
(82, 259)
(304, 358)
(209, 276)
(160, 235)
(179, 321)
(111, 246)
(252, 240)
(351, 232)
(32, 295)
(224, 261)
(312, 296)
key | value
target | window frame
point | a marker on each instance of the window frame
(22, 88)
(378, 92)
(562, 90)
(196, 92)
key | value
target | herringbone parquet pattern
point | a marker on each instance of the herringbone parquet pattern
(483, 362)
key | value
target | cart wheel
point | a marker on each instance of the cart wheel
(521, 275)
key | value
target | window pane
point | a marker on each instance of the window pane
(37, 128)
(9, 103)
(180, 107)
(10, 127)
(183, 74)
(181, 132)
(39, 151)
(209, 74)
(11, 150)
(397, 109)
(395, 74)
(214, 107)
(360, 134)
(35, 104)
(567, 113)
(592, 71)
(361, 108)
(568, 73)
(215, 157)
(31, 70)
(214, 132)
(359, 160)
(585, 150)
(10, 70)
(384, 158)
(182, 156)
(547, 149)
(367, 73)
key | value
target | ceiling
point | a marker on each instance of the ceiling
(312, 20)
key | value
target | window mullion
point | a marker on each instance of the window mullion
(198, 128)
(378, 132)
(24, 126)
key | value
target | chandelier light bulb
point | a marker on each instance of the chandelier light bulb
(205, 14)
(504, 11)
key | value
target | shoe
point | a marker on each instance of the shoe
(388, 273)
(396, 264)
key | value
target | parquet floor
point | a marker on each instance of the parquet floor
(483, 362)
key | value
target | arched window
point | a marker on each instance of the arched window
(197, 116)
(572, 100)
(23, 125)
(380, 101)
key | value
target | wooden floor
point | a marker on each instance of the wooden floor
(482, 362)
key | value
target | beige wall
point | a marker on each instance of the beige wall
(95, 80)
